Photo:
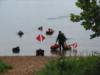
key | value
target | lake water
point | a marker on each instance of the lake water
(28, 15)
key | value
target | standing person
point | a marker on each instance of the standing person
(61, 39)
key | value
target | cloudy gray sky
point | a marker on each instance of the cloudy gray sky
(28, 15)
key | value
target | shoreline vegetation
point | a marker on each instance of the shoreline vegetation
(47, 65)
(4, 66)
(73, 66)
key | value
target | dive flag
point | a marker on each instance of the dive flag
(40, 38)
(74, 45)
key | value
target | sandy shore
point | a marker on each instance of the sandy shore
(25, 65)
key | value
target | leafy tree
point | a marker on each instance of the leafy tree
(89, 16)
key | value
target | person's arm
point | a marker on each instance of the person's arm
(65, 37)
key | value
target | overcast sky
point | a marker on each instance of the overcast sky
(28, 15)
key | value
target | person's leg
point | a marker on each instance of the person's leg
(59, 48)
(63, 46)
(63, 51)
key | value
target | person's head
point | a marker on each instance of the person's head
(60, 32)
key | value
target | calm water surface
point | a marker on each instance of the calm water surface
(28, 15)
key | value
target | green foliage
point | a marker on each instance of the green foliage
(73, 66)
(4, 67)
(89, 17)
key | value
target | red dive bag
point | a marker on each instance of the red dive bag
(55, 46)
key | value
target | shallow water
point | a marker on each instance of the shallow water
(28, 15)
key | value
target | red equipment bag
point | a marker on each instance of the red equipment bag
(65, 45)
(55, 46)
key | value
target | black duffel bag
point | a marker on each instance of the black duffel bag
(39, 52)
(16, 49)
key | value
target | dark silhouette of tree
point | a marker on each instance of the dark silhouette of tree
(89, 16)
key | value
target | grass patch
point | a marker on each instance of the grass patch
(4, 67)
(72, 66)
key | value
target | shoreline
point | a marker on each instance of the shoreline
(25, 65)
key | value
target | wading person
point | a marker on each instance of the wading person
(61, 39)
